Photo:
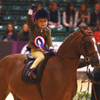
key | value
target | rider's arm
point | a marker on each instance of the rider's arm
(29, 19)
(29, 16)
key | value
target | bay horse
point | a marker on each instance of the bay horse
(59, 81)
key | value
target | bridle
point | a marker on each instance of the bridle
(87, 58)
(88, 55)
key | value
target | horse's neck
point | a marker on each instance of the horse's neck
(70, 46)
(69, 50)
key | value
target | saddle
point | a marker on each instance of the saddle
(39, 70)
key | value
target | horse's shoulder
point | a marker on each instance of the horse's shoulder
(53, 59)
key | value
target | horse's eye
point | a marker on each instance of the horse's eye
(89, 44)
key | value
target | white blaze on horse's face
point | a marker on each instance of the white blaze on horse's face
(95, 46)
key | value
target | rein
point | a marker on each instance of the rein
(84, 80)
(66, 57)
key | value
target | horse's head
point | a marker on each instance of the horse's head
(89, 47)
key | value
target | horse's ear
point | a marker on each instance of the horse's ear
(82, 30)
(89, 30)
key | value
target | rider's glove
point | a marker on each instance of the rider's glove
(30, 12)
(33, 6)
(51, 49)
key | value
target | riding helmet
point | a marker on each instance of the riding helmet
(42, 13)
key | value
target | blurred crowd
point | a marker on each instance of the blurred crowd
(11, 34)
(70, 19)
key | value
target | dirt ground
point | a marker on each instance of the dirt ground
(85, 85)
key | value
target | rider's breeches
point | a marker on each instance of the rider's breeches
(38, 55)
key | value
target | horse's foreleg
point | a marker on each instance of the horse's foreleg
(3, 92)
(15, 97)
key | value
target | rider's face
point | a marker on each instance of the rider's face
(42, 22)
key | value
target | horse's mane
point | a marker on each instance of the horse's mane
(69, 38)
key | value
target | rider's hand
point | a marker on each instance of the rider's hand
(51, 49)
(33, 6)
(30, 12)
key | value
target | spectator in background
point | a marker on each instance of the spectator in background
(95, 15)
(55, 18)
(69, 17)
(23, 35)
(93, 1)
(37, 7)
(10, 34)
(82, 17)
(0, 16)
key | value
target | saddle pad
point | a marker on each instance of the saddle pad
(39, 70)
